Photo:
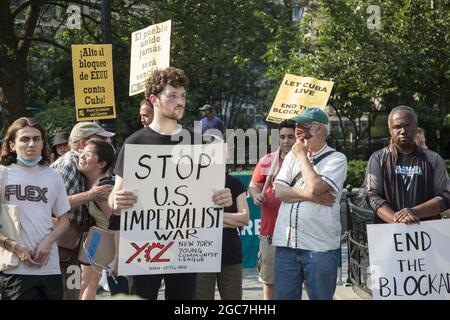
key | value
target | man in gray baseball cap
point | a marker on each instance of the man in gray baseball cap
(85, 130)
(78, 194)
(209, 120)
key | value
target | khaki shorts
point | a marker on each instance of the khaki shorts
(266, 256)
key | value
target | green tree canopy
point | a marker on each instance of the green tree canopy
(218, 43)
(402, 60)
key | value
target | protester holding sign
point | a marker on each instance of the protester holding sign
(39, 192)
(308, 229)
(404, 182)
(74, 181)
(229, 279)
(269, 204)
(166, 90)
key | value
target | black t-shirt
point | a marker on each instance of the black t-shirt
(231, 244)
(114, 222)
(147, 135)
(102, 182)
(408, 169)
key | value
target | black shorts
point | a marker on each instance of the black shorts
(31, 287)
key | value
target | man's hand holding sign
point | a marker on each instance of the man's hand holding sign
(167, 225)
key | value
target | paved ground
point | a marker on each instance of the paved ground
(252, 289)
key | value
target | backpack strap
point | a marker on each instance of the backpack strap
(322, 156)
(315, 162)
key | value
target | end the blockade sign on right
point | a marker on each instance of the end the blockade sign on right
(410, 262)
(298, 93)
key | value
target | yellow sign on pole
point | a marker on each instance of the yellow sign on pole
(150, 50)
(93, 81)
(296, 94)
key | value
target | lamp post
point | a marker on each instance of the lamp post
(106, 21)
(108, 124)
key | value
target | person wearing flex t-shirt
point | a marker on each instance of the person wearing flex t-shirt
(39, 192)
(307, 231)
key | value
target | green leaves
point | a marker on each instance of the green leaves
(405, 62)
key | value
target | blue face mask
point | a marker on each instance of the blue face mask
(27, 163)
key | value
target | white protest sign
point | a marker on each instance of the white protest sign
(174, 227)
(410, 261)
(150, 50)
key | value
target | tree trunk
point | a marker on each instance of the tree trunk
(14, 48)
(12, 97)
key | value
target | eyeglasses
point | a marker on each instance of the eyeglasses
(399, 127)
(86, 153)
(306, 126)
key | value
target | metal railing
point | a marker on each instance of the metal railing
(358, 216)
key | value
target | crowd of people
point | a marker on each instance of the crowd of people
(298, 188)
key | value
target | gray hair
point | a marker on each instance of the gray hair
(327, 127)
(397, 109)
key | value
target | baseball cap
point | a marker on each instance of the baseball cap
(82, 130)
(311, 115)
(205, 107)
(60, 138)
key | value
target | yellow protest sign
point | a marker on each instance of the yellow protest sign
(93, 81)
(150, 50)
(296, 94)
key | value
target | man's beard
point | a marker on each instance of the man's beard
(175, 115)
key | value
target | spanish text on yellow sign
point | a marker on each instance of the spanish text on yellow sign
(93, 81)
(150, 50)
(296, 94)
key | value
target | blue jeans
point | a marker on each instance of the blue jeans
(293, 266)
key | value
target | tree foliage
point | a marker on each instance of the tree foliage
(218, 43)
(55, 120)
(14, 49)
(405, 61)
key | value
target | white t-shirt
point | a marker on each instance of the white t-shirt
(38, 191)
(308, 225)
